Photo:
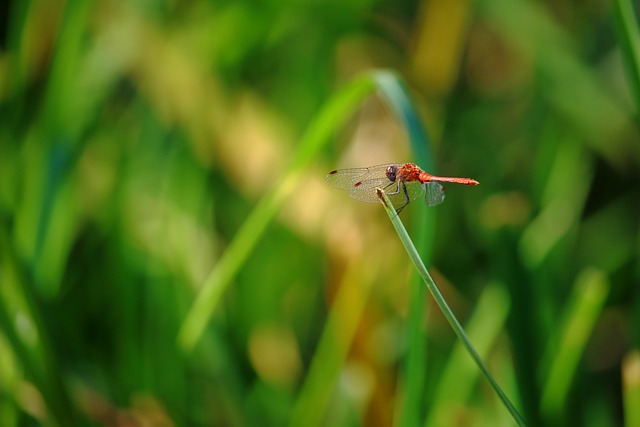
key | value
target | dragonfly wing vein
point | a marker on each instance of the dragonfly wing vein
(435, 194)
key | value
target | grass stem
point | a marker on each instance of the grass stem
(629, 41)
(437, 295)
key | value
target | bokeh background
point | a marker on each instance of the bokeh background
(137, 137)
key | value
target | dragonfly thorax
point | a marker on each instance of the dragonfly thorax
(424, 177)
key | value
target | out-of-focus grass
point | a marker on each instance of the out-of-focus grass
(631, 387)
(584, 308)
(333, 115)
(629, 39)
(137, 137)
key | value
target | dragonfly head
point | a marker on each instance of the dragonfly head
(391, 173)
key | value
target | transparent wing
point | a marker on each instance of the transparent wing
(365, 191)
(434, 193)
(359, 178)
(395, 192)
(361, 183)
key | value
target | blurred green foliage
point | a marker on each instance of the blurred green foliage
(136, 138)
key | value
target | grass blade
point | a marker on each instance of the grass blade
(22, 326)
(437, 295)
(336, 111)
(629, 40)
(631, 389)
(396, 96)
(398, 99)
(331, 117)
(330, 355)
(337, 336)
(459, 375)
(590, 294)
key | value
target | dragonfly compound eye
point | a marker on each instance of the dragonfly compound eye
(391, 173)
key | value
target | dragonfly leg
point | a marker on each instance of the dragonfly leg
(406, 196)
(399, 185)
(396, 191)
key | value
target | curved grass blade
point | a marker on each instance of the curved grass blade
(424, 221)
(397, 97)
(330, 118)
(335, 112)
(437, 296)
(330, 355)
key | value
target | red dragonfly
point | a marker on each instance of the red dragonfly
(402, 182)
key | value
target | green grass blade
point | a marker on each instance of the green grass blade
(330, 356)
(590, 294)
(631, 389)
(328, 359)
(629, 40)
(336, 111)
(60, 115)
(22, 326)
(397, 97)
(590, 109)
(459, 375)
(437, 295)
(414, 372)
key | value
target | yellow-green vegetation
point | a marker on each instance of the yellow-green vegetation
(170, 255)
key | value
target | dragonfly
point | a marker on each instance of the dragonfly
(402, 183)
